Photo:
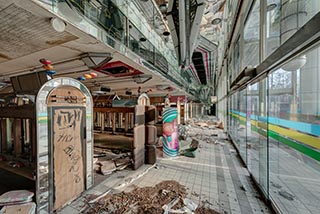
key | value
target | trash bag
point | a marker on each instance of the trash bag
(190, 152)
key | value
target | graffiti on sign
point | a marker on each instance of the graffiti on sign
(67, 130)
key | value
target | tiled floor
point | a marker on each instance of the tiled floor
(294, 177)
(214, 178)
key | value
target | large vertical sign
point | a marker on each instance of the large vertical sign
(64, 143)
(67, 154)
(170, 132)
(67, 107)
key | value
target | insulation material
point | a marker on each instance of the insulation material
(16, 197)
(27, 208)
(170, 132)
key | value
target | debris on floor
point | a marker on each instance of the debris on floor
(17, 202)
(165, 197)
(191, 151)
(198, 132)
(286, 195)
(106, 161)
(16, 197)
(27, 208)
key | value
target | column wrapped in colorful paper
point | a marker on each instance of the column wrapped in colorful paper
(170, 132)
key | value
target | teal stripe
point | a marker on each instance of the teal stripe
(169, 115)
(312, 129)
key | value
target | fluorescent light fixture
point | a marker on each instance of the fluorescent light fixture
(216, 21)
(95, 60)
(140, 79)
(100, 90)
(166, 33)
(295, 63)
(271, 7)
(105, 89)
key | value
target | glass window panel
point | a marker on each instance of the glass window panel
(272, 26)
(257, 132)
(294, 133)
(237, 58)
(242, 125)
(294, 14)
(252, 37)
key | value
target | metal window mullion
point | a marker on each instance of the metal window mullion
(262, 30)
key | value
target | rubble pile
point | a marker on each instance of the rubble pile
(167, 195)
(197, 132)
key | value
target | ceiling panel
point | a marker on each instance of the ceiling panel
(23, 33)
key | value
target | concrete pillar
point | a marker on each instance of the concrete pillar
(179, 111)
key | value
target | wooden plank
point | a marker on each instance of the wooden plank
(66, 96)
(113, 122)
(25, 111)
(17, 137)
(26, 172)
(20, 208)
(113, 109)
(3, 136)
(126, 122)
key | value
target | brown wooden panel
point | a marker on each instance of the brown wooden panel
(114, 109)
(156, 100)
(3, 135)
(66, 96)
(25, 111)
(67, 155)
(25, 171)
(33, 127)
(17, 137)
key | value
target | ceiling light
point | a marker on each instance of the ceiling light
(57, 24)
(128, 93)
(216, 21)
(295, 64)
(94, 60)
(163, 8)
(140, 79)
(166, 33)
(271, 7)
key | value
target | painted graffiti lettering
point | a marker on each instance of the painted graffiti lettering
(69, 149)
(73, 156)
(74, 169)
(71, 99)
(68, 119)
(77, 178)
(65, 137)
